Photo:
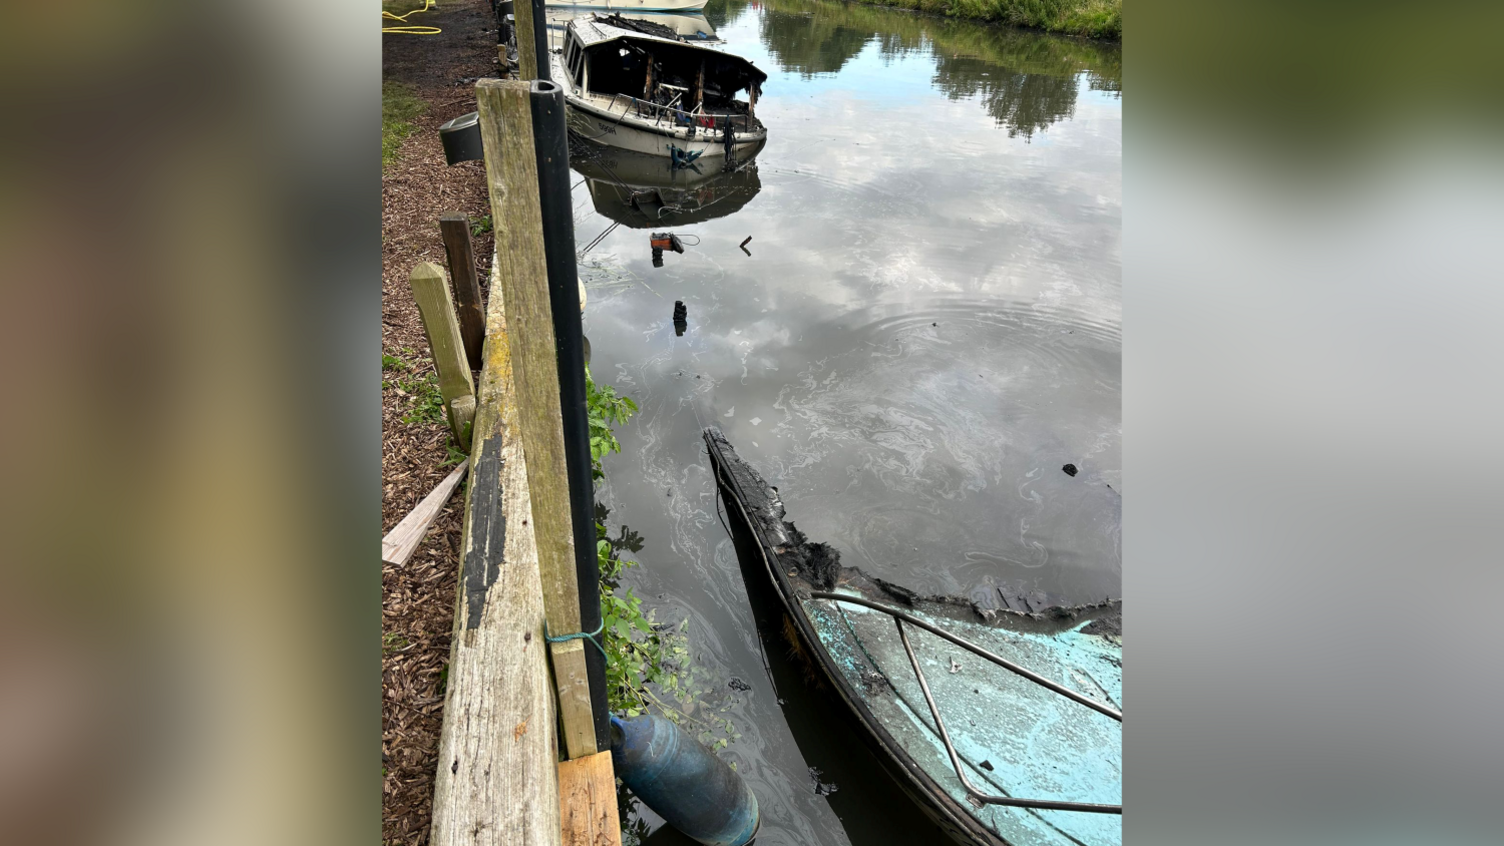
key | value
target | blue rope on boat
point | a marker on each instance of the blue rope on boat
(590, 636)
(682, 158)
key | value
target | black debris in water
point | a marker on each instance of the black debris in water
(821, 789)
(738, 684)
(660, 241)
(986, 765)
(819, 563)
(1070, 469)
(681, 315)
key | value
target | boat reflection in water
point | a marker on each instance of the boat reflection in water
(647, 192)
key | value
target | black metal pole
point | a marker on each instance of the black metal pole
(550, 139)
(540, 47)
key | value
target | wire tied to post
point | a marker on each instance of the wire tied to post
(590, 636)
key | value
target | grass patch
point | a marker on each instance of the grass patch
(392, 643)
(402, 7)
(418, 387)
(1091, 18)
(399, 107)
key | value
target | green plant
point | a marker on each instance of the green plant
(605, 407)
(454, 455)
(647, 662)
(427, 404)
(480, 225)
(392, 642)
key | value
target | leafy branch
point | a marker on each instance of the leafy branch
(648, 664)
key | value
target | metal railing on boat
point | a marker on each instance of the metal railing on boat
(660, 114)
(899, 618)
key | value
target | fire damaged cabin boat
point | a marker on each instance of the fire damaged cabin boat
(640, 86)
(1004, 726)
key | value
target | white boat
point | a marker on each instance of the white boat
(631, 5)
(690, 26)
(639, 86)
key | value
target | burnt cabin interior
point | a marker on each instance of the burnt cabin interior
(681, 77)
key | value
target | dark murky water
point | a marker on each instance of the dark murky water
(927, 329)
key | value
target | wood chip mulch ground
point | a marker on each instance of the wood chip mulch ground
(418, 598)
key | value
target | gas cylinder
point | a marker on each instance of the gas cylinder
(682, 781)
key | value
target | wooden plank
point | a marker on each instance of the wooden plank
(470, 307)
(437, 310)
(527, 47)
(587, 801)
(399, 543)
(497, 782)
(520, 281)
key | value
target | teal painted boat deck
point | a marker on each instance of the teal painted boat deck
(1038, 744)
(1015, 737)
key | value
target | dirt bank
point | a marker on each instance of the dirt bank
(418, 599)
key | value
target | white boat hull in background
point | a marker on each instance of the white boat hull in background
(628, 134)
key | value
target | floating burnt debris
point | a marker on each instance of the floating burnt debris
(813, 566)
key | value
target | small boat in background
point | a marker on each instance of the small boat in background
(639, 85)
(631, 5)
(1004, 727)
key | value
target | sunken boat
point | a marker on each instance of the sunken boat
(639, 85)
(1003, 724)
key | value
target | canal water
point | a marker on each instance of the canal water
(923, 330)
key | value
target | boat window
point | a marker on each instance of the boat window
(576, 64)
(697, 78)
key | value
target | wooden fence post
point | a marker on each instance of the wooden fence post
(527, 48)
(472, 312)
(455, 385)
(512, 179)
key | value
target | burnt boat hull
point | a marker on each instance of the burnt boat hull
(795, 568)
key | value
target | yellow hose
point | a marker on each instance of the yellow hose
(409, 29)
